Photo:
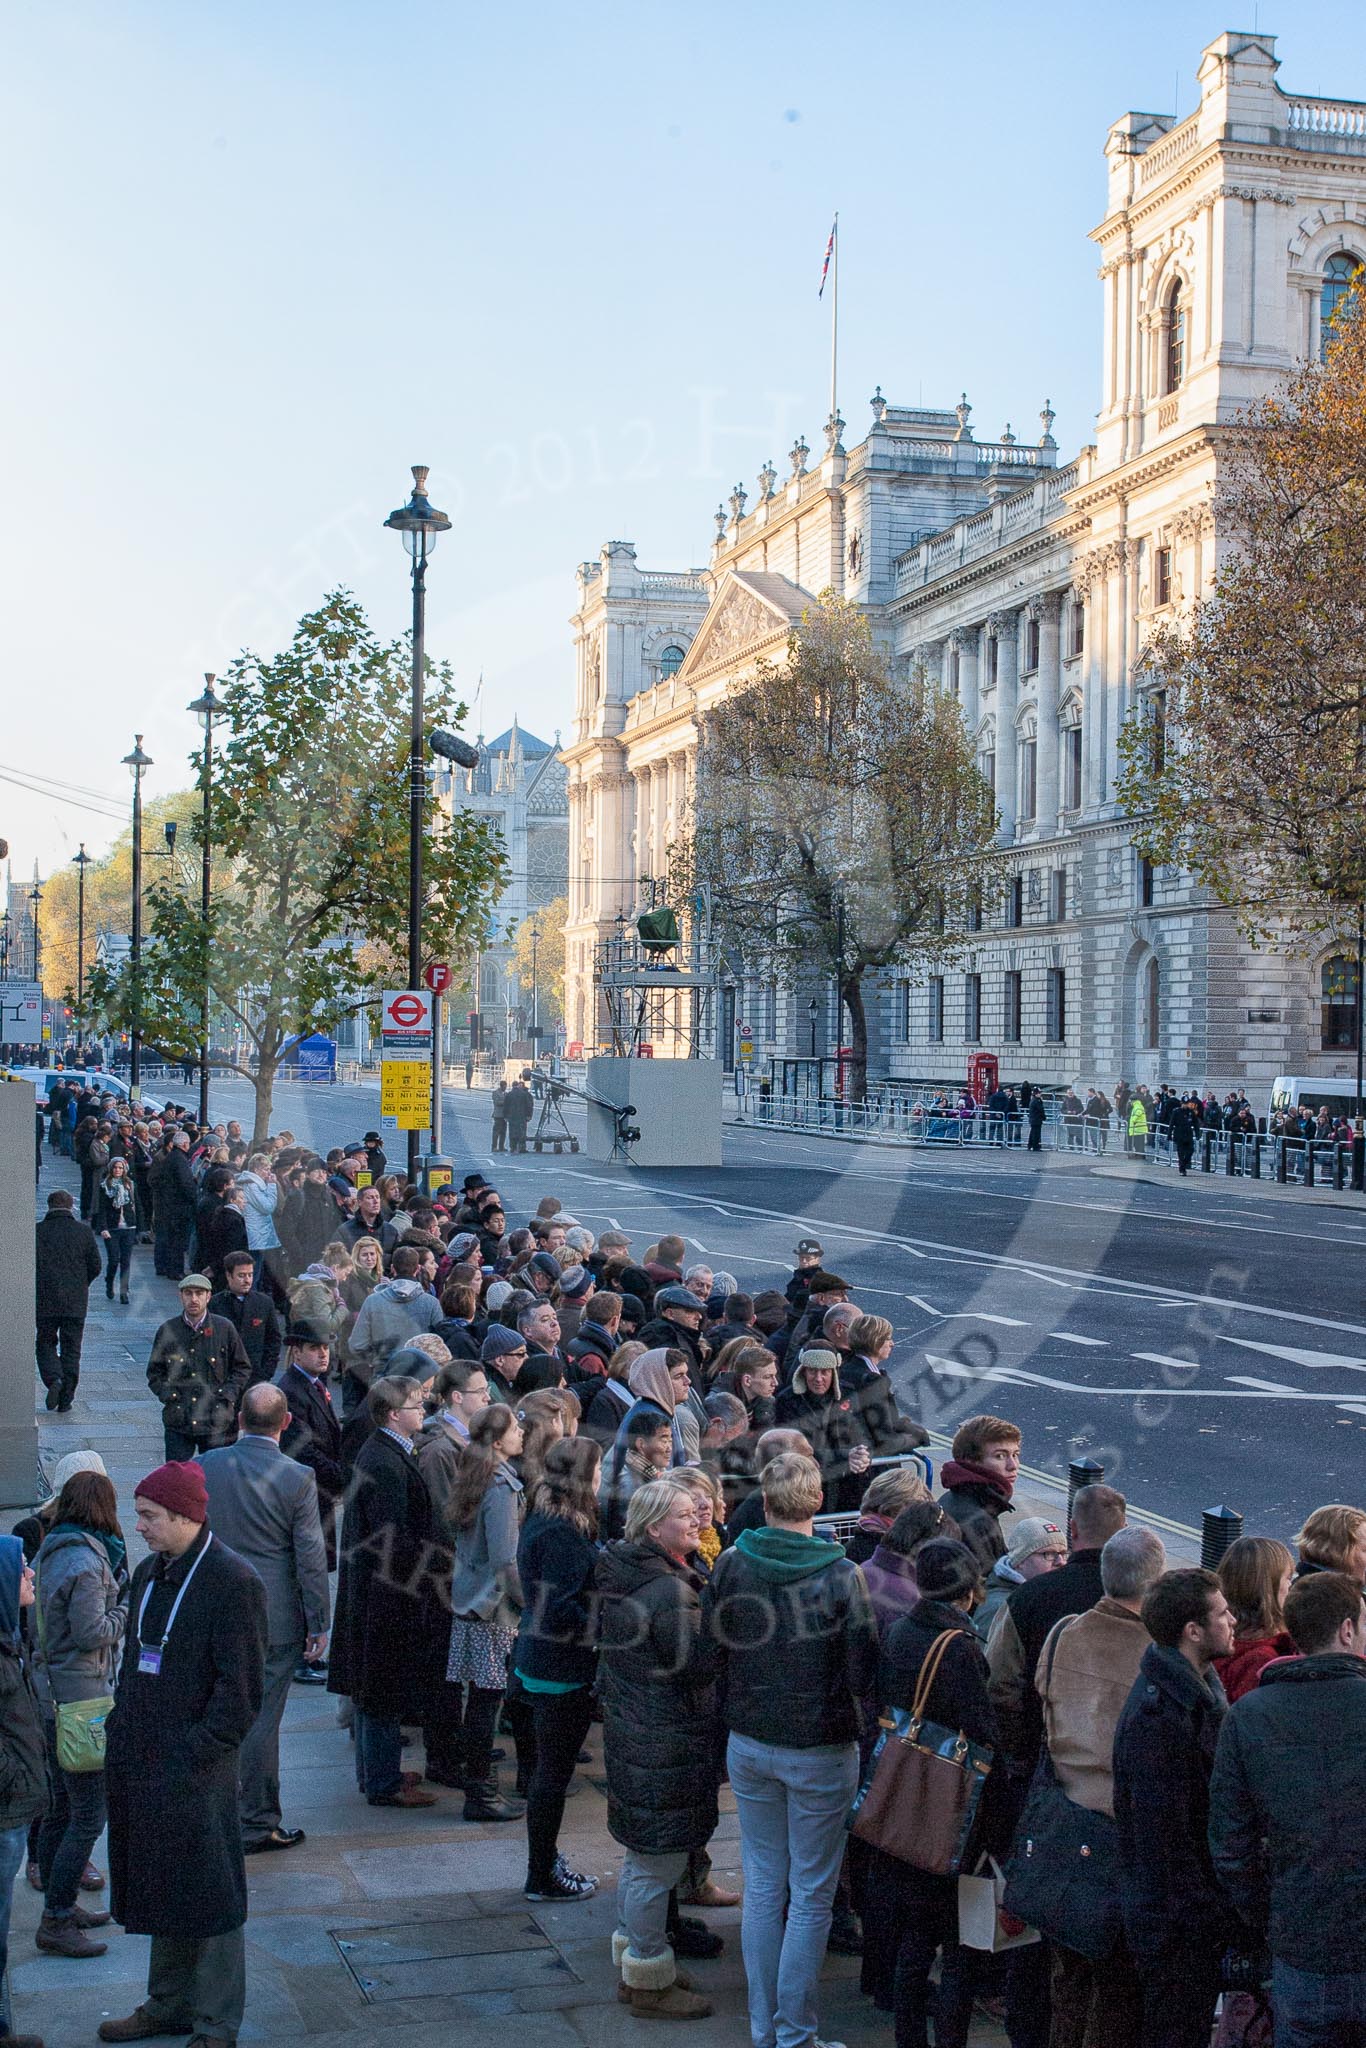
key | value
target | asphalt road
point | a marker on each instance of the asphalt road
(1205, 1342)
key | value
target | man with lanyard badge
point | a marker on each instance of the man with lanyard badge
(189, 1690)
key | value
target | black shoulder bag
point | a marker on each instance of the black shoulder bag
(1062, 1874)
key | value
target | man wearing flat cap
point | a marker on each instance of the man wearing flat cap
(189, 1690)
(198, 1371)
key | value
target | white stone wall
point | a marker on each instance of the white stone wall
(959, 547)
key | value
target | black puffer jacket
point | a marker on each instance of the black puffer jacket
(658, 1698)
(795, 1642)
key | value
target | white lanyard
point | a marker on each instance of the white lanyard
(175, 1605)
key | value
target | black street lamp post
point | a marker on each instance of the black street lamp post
(535, 993)
(35, 897)
(81, 862)
(813, 1010)
(206, 709)
(137, 763)
(419, 523)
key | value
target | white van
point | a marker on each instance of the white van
(45, 1079)
(1293, 1091)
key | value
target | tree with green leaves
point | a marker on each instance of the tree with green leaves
(309, 834)
(549, 923)
(837, 817)
(1245, 758)
(108, 890)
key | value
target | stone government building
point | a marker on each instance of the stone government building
(1027, 589)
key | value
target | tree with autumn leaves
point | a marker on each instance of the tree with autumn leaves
(838, 822)
(309, 835)
(1245, 762)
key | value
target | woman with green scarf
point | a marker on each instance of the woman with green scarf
(80, 1621)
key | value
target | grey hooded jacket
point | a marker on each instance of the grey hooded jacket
(394, 1312)
(84, 1617)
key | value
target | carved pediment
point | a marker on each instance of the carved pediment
(746, 611)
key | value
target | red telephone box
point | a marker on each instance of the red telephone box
(984, 1071)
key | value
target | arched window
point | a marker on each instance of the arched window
(1338, 272)
(1152, 1005)
(670, 662)
(1338, 1003)
(1176, 338)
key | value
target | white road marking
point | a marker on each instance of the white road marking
(1016, 1376)
(698, 1245)
(1316, 1360)
(1071, 1337)
(1055, 1276)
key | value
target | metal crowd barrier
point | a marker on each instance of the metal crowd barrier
(895, 1118)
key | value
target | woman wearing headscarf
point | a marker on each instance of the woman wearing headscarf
(23, 1763)
(81, 1616)
(660, 1379)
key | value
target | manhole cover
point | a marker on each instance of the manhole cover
(445, 1958)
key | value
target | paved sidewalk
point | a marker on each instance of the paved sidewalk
(381, 1918)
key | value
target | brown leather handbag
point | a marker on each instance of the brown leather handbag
(924, 1783)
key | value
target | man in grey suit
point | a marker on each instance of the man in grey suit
(264, 1506)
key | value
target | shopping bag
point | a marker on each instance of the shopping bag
(983, 1922)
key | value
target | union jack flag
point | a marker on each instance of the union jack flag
(829, 252)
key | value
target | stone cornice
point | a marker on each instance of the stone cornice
(1238, 158)
(1066, 531)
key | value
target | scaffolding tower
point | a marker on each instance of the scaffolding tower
(656, 984)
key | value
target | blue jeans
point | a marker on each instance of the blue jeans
(1317, 2011)
(379, 1755)
(13, 1849)
(792, 1804)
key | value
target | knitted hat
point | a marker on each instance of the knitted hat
(498, 1343)
(497, 1294)
(180, 1489)
(463, 1241)
(575, 1282)
(74, 1462)
(1031, 1536)
(945, 1570)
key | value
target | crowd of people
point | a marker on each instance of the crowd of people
(563, 1479)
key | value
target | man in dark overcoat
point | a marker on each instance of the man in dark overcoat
(391, 1628)
(189, 1690)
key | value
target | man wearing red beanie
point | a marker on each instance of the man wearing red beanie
(189, 1690)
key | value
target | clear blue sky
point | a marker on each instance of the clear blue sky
(263, 257)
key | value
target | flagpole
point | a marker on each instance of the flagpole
(834, 318)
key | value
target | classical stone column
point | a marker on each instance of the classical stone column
(1093, 686)
(1047, 609)
(966, 640)
(1005, 629)
(18, 1432)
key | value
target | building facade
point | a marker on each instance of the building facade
(1027, 590)
(520, 783)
